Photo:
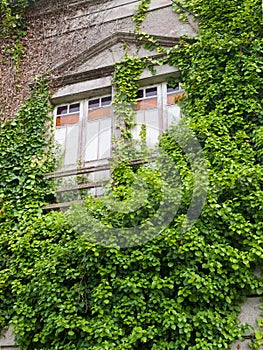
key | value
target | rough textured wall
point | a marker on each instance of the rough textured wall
(57, 31)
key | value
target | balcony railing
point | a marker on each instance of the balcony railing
(80, 183)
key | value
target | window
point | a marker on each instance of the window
(147, 98)
(84, 129)
(67, 114)
(173, 111)
(100, 102)
(100, 107)
(174, 88)
(147, 92)
(67, 121)
(172, 92)
(98, 130)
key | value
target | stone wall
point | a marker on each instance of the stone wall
(59, 30)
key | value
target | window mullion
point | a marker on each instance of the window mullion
(83, 130)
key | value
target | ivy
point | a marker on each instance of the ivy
(146, 40)
(126, 84)
(180, 289)
(127, 74)
(13, 26)
(26, 157)
(141, 14)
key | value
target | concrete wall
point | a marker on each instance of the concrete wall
(7, 341)
(77, 26)
(59, 30)
(251, 310)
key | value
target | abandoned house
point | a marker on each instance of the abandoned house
(79, 42)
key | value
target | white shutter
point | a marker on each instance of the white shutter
(149, 117)
(139, 121)
(104, 139)
(152, 126)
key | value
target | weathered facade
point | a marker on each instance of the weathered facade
(79, 42)
(60, 32)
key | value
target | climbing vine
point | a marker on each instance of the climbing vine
(127, 74)
(180, 290)
(13, 26)
(141, 14)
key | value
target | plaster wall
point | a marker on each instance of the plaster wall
(83, 25)
(58, 31)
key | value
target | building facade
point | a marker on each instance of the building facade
(81, 41)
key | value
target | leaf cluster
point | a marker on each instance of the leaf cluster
(13, 26)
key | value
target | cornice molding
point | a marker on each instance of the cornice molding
(62, 77)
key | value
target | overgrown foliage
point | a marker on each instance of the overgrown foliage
(223, 75)
(13, 26)
(181, 290)
(127, 74)
(26, 157)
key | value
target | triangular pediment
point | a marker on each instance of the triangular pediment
(99, 59)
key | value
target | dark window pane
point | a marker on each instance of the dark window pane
(62, 110)
(105, 101)
(173, 88)
(94, 103)
(140, 94)
(74, 108)
(151, 92)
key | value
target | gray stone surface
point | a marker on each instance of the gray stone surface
(250, 311)
(249, 314)
(74, 29)
(241, 345)
(7, 341)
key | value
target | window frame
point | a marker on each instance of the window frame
(100, 102)
(61, 115)
(180, 89)
(68, 107)
(143, 89)
(160, 97)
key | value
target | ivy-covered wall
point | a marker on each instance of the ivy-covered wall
(183, 289)
(58, 31)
